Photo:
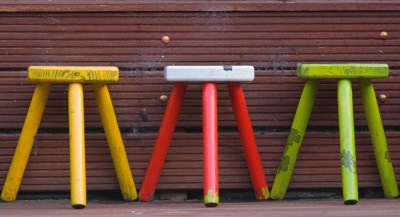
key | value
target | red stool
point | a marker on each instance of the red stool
(208, 75)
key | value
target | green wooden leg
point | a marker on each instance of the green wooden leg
(294, 140)
(347, 142)
(378, 138)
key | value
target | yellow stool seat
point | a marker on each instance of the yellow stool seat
(68, 74)
(75, 76)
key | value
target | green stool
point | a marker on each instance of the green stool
(343, 72)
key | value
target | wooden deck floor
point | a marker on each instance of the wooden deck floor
(309, 208)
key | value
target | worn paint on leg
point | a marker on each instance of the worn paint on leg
(264, 193)
(211, 199)
(295, 139)
(210, 143)
(347, 142)
(248, 141)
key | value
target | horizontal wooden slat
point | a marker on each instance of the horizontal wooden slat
(259, 33)
(131, 40)
(199, 18)
(175, 5)
(318, 163)
(272, 101)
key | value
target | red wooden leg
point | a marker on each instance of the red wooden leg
(248, 141)
(162, 142)
(210, 144)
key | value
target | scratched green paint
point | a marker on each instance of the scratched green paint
(347, 142)
(295, 139)
(212, 198)
(346, 127)
(337, 71)
(348, 161)
(378, 138)
(265, 194)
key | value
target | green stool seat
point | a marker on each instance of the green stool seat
(338, 71)
(343, 73)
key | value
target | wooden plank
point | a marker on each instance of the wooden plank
(111, 207)
(197, 50)
(274, 42)
(318, 165)
(173, 5)
(280, 105)
(218, 26)
(257, 48)
(146, 18)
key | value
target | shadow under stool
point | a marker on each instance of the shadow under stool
(207, 75)
(74, 76)
(343, 73)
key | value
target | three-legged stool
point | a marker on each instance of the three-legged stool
(343, 72)
(75, 76)
(208, 75)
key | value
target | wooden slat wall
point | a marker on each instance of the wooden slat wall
(196, 5)
(274, 41)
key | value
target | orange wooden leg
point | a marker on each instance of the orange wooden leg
(162, 142)
(210, 144)
(248, 141)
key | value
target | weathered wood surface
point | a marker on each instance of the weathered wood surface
(273, 41)
(318, 164)
(288, 208)
(199, 5)
(272, 99)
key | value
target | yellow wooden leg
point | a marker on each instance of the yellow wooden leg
(77, 145)
(25, 142)
(115, 142)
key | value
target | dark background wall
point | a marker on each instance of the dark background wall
(271, 35)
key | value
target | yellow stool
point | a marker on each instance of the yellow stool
(75, 76)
